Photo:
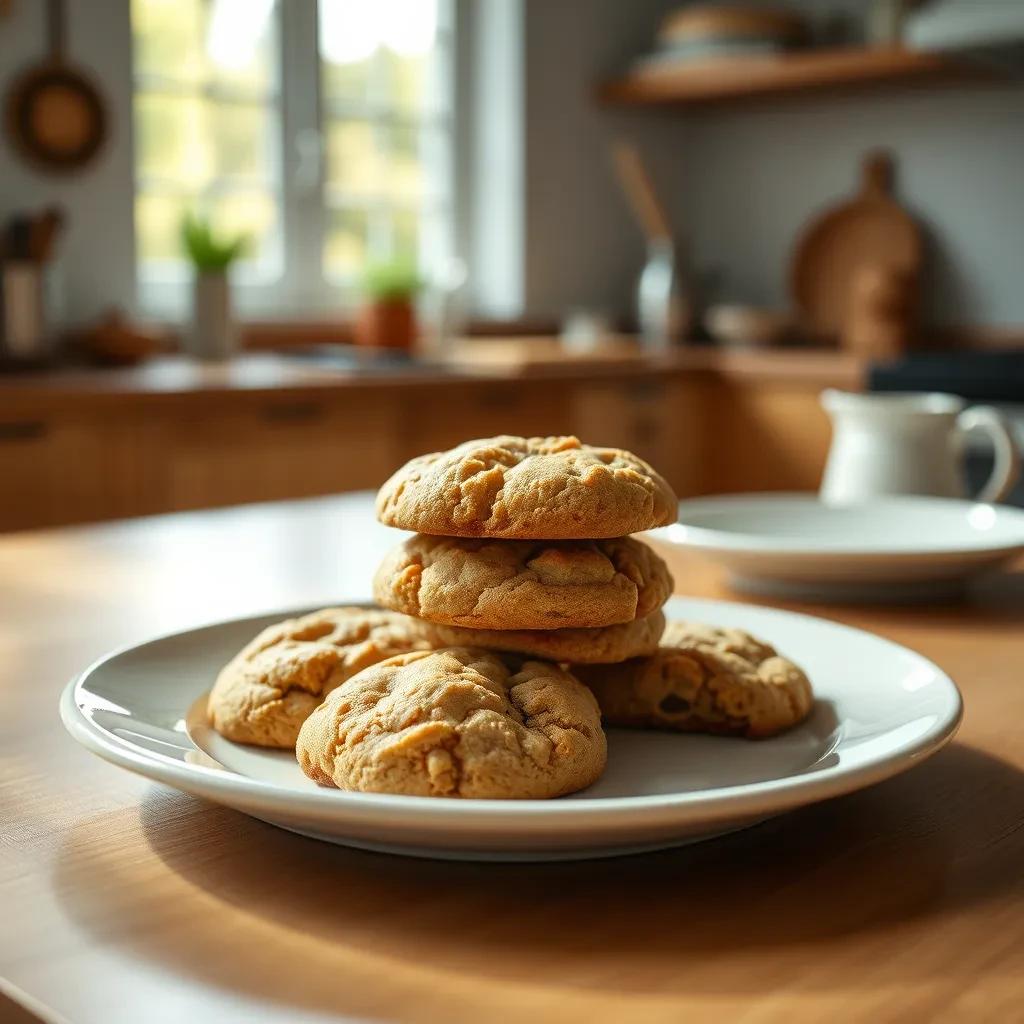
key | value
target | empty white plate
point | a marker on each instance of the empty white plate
(881, 709)
(884, 549)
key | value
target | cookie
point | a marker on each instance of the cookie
(522, 584)
(265, 693)
(704, 679)
(537, 488)
(457, 723)
(580, 646)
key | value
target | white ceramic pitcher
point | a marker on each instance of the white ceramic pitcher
(910, 444)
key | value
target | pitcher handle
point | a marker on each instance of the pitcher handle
(1007, 453)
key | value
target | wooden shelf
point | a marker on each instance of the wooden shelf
(724, 80)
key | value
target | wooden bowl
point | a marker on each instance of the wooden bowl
(749, 326)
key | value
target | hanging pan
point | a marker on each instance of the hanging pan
(55, 114)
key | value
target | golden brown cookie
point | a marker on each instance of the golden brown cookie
(581, 646)
(265, 693)
(523, 584)
(537, 488)
(704, 679)
(457, 723)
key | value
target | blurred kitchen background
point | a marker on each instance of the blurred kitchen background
(262, 249)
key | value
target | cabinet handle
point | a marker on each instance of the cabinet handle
(499, 398)
(23, 430)
(645, 391)
(294, 412)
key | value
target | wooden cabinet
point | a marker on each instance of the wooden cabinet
(58, 468)
(101, 462)
(762, 436)
(441, 417)
(277, 448)
(87, 457)
(657, 417)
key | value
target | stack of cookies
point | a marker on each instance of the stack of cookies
(517, 615)
(521, 545)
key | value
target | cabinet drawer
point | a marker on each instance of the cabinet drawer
(277, 449)
(67, 469)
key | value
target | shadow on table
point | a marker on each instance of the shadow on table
(740, 914)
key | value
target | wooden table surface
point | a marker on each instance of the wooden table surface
(126, 901)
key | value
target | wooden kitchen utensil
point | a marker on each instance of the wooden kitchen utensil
(663, 311)
(872, 229)
(55, 114)
(639, 189)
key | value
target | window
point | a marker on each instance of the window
(322, 130)
(386, 125)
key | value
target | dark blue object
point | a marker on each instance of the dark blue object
(976, 376)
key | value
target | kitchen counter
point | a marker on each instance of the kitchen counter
(127, 901)
(271, 373)
(80, 445)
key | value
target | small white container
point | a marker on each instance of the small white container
(910, 444)
(213, 337)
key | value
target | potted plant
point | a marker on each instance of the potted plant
(213, 335)
(387, 318)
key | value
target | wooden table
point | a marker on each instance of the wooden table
(125, 901)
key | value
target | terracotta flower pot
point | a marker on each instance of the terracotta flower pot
(386, 324)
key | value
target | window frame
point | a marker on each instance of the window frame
(301, 289)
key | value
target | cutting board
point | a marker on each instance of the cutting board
(869, 229)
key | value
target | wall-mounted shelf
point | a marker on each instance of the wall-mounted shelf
(726, 80)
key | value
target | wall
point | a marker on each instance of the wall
(758, 176)
(740, 182)
(582, 247)
(96, 255)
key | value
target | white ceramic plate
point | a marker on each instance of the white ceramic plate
(881, 709)
(886, 549)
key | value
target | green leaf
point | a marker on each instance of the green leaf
(206, 251)
(391, 281)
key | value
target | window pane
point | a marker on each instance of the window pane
(158, 226)
(167, 38)
(411, 82)
(406, 177)
(240, 40)
(404, 164)
(354, 158)
(252, 214)
(240, 135)
(170, 138)
(158, 217)
(190, 140)
(348, 43)
(201, 143)
(348, 82)
(405, 235)
(230, 43)
(346, 242)
(381, 52)
(387, 152)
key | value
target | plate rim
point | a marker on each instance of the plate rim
(550, 815)
(707, 538)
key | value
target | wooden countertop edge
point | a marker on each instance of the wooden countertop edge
(260, 376)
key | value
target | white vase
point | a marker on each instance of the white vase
(213, 336)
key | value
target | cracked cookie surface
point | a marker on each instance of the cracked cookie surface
(503, 584)
(538, 488)
(265, 693)
(704, 679)
(582, 646)
(460, 722)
